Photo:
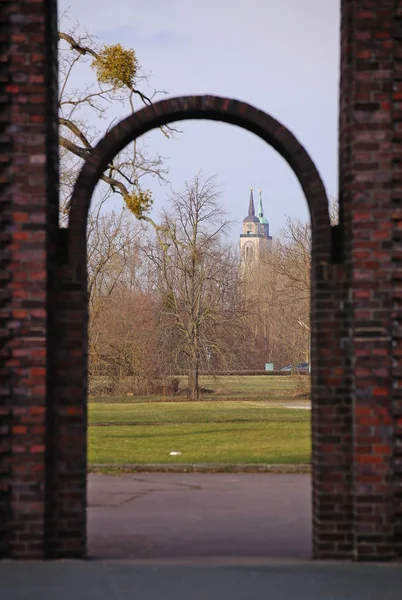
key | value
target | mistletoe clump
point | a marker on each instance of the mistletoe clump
(139, 202)
(116, 65)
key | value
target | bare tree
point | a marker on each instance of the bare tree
(124, 339)
(198, 282)
(114, 79)
(293, 263)
(115, 85)
(116, 271)
(113, 240)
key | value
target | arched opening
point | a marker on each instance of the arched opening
(162, 113)
(249, 252)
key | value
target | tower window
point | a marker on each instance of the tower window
(249, 252)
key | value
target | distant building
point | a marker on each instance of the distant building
(255, 240)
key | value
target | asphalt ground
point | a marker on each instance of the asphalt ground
(171, 536)
(173, 515)
(120, 580)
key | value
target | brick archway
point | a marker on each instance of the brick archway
(72, 308)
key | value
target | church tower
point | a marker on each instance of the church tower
(254, 239)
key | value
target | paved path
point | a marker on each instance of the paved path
(128, 581)
(160, 515)
(199, 537)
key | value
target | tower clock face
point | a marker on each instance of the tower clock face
(249, 229)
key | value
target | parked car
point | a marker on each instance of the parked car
(299, 368)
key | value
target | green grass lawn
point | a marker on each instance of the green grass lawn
(208, 432)
(174, 413)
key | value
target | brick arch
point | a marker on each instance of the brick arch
(211, 108)
(68, 346)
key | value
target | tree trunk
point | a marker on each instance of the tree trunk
(193, 387)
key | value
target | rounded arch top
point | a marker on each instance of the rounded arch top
(212, 108)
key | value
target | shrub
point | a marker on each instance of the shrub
(302, 388)
(175, 385)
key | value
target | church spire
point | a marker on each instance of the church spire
(251, 211)
(260, 209)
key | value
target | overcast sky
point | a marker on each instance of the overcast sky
(281, 56)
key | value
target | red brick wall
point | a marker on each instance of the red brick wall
(331, 419)
(369, 196)
(5, 281)
(396, 314)
(67, 393)
(29, 186)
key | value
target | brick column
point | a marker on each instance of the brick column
(67, 426)
(5, 280)
(366, 164)
(397, 269)
(331, 418)
(28, 158)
